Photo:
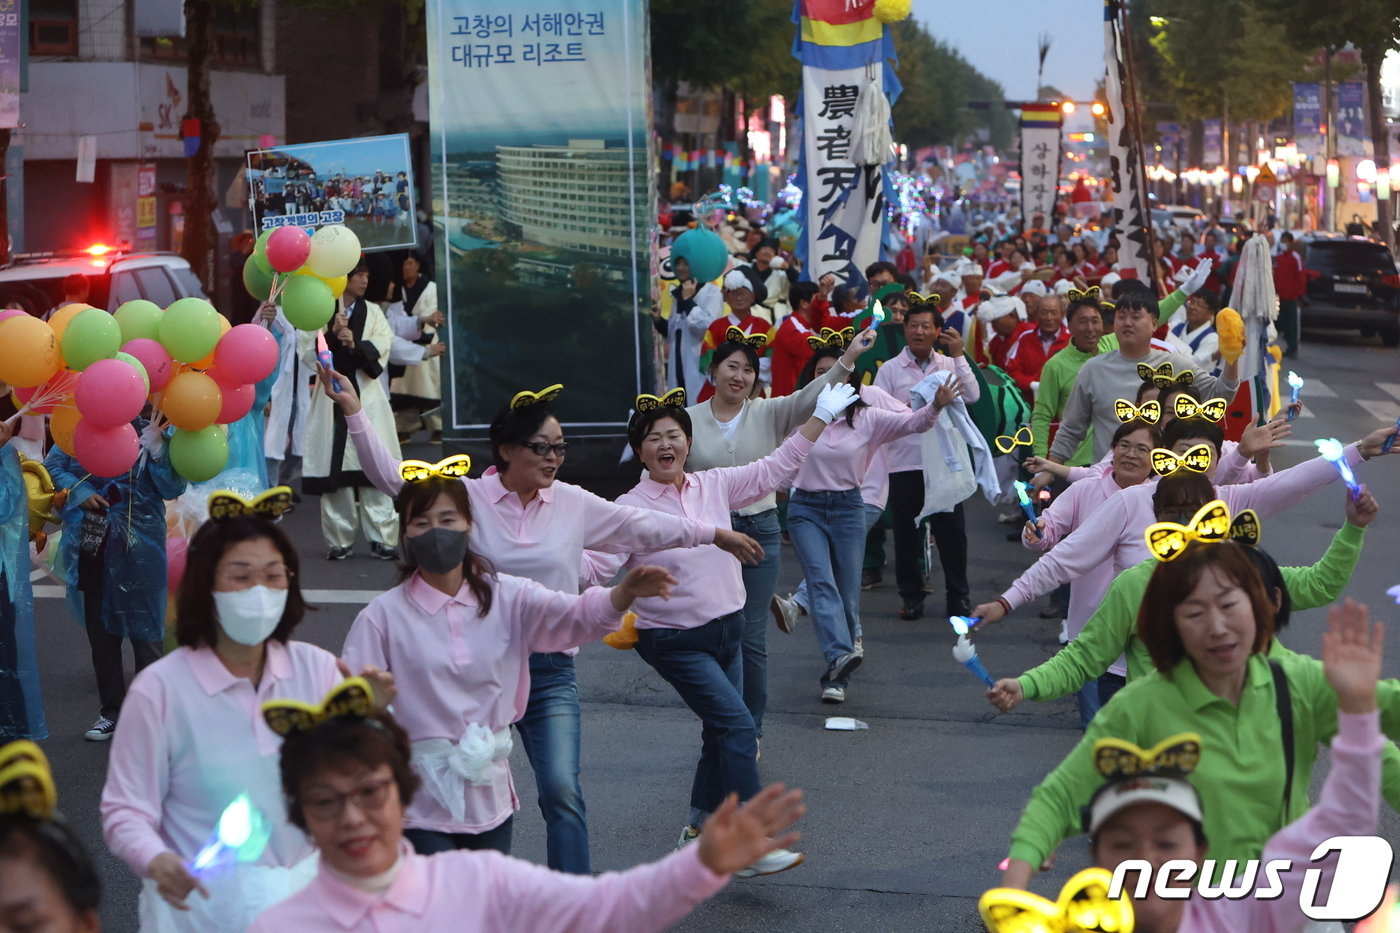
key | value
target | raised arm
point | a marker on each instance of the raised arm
(1322, 583)
(790, 411)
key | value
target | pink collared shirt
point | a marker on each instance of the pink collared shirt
(544, 539)
(191, 738)
(842, 455)
(710, 583)
(901, 374)
(454, 667)
(487, 892)
(1115, 531)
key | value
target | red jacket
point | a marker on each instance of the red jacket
(998, 347)
(1289, 281)
(1028, 355)
(791, 350)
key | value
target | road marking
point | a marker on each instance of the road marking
(315, 597)
(1382, 411)
(1393, 388)
(1314, 387)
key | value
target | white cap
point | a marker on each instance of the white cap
(1110, 279)
(1035, 287)
(736, 279)
(966, 267)
(1174, 792)
(945, 275)
(993, 308)
(1063, 286)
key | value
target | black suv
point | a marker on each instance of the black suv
(1352, 284)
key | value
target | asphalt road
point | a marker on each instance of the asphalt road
(908, 820)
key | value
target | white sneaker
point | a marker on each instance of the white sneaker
(786, 613)
(688, 835)
(772, 863)
(833, 693)
(860, 648)
(1064, 631)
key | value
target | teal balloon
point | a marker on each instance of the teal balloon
(139, 319)
(92, 335)
(704, 250)
(199, 455)
(307, 302)
(137, 365)
(189, 328)
(257, 281)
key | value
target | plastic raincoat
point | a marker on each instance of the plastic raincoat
(21, 705)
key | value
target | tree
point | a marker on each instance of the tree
(938, 84)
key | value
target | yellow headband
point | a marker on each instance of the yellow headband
(1196, 459)
(1126, 411)
(1163, 376)
(526, 397)
(673, 399)
(828, 337)
(1212, 522)
(1119, 758)
(1082, 907)
(1187, 407)
(26, 784)
(735, 335)
(352, 698)
(1022, 438)
(454, 467)
(271, 504)
(935, 299)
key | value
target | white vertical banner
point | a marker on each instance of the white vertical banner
(844, 202)
(1040, 160)
(1129, 206)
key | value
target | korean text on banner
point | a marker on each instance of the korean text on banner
(1040, 160)
(1307, 117)
(1129, 205)
(541, 195)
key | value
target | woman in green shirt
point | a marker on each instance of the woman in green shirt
(1207, 622)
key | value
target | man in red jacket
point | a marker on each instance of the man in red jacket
(1030, 351)
(1290, 284)
(790, 348)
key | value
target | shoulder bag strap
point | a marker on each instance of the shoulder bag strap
(1285, 717)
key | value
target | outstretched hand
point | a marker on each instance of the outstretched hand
(740, 545)
(381, 682)
(346, 396)
(859, 344)
(642, 582)
(1352, 651)
(1007, 694)
(735, 837)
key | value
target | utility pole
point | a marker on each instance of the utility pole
(1329, 196)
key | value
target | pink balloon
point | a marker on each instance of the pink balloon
(177, 552)
(247, 353)
(238, 401)
(105, 452)
(10, 312)
(287, 248)
(159, 367)
(110, 394)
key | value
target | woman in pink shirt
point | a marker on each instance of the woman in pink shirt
(827, 521)
(694, 640)
(191, 740)
(460, 638)
(349, 783)
(529, 525)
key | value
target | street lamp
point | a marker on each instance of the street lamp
(1067, 107)
(1098, 109)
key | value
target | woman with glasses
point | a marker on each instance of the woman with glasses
(191, 742)
(527, 524)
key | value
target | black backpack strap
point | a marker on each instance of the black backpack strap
(1284, 699)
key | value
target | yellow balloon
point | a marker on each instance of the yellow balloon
(29, 353)
(60, 318)
(335, 283)
(62, 423)
(192, 401)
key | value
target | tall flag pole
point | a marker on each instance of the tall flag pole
(847, 55)
(1041, 125)
(1130, 209)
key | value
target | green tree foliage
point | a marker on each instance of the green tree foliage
(938, 83)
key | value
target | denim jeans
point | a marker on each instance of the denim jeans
(873, 514)
(549, 730)
(828, 531)
(704, 665)
(760, 582)
(431, 842)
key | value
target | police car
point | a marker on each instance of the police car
(34, 281)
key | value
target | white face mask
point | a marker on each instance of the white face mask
(249, 616)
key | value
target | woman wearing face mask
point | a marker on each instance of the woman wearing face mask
(460, 638)
(191, 740)
(526, 523)
(732, 429)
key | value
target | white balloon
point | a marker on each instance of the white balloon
(335, 250)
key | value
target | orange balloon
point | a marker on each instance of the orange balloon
(208, 361)
(192, 401)
(62, 423)
(60, 318)
(29, 352)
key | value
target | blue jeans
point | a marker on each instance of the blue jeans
(549, 730)
(873, 514)
(760, 583)
(431, 842)
(704, 665)
(828, 531)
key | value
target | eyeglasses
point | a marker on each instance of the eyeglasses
(1125, 447)
(540, 448)
(324, 805)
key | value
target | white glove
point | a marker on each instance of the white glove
(1198, 277)
(153, 441)
(833, 400)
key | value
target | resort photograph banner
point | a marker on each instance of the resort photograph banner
(366, 184)
(541, 194)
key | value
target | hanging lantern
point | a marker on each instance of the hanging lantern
(1334, 173)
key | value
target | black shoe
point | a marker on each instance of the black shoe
(338, 553)
(101, 730)
(959, 607)
(383, 551)
(912, 609)
(841, 667)
(869, 578)
(1052, 611)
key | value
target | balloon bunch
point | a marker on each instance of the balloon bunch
(93, 372)
(305, 274)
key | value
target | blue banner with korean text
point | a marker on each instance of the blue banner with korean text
(541, 196)
(1307, 117)
(1351, 118)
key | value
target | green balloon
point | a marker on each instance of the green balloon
(260, 251)
(199, 455)
(307, 302)
(139, 319)
(189, 328)
(256, 280)
(137, 365)
(92, 335)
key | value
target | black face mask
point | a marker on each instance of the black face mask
(438, 550)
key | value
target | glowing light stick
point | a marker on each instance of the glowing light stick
(1295, 381)
(965, 653)
(1394, 593)
(323, 355)
(1023, 494)
(1331, 449)
(877, 312)
(1390, 441)
(242, 833)
(963, 624)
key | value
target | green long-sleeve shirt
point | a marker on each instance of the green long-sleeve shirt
(1240, 776)
(1112, 629)
(1056, 380)
(1165, 309)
